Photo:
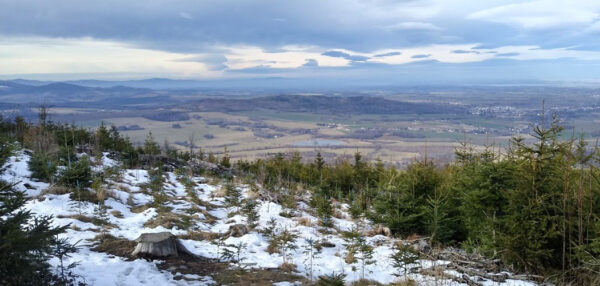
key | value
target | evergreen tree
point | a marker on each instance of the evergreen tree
(437, 221)
(403, 259)
(27, 242)
(249, 210)
(311, 252)
(156, 185)
(150, 145)
(78, 175)
(287, 242)
(225, 160)
(233, 196)
(42, 167)
(103, 138)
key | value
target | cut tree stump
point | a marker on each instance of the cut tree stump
(159, 245)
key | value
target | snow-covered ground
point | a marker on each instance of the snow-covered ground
(125, 193)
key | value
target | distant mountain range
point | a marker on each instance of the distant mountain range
(140, 95)
(184, 84)
(27, 92)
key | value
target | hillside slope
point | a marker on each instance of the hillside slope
(198, 214)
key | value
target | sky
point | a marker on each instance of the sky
(383, 41)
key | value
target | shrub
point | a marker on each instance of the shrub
(78, 175)
(27, 243)
(332, 280)
(42, 167)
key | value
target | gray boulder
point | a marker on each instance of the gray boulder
(421, 246)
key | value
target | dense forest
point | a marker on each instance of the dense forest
(534, 205)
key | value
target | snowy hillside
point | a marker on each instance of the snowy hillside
(196, 218)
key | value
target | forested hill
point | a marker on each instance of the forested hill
(528, 216)
(327, 105)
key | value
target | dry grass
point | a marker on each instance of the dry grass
(130, 200)
(365, 282)
(124, 188)
(220, 192)
(288, 267)
(437, 272)
(305, 221)
(413, 237)
(112, 245)
(210, 219)
(169, 220)
(252, 194)
(273, 247)
(199, 235)
(139, 209)
(407, 282)
(349, 258)
(116, 213)
(338, 214)
(255, 277)
(56, 190)
(379, 229)
(89, 219)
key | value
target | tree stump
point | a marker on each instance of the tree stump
(159, 245)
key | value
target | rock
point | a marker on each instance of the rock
(327, 244)
(379, 229)
(421, 246)
(237, 230)
(159, 245)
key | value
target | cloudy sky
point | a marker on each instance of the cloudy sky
(387, 40)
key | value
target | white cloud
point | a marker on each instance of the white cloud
(403, 26)
(542, 14)
(46, 56)
(89, 56)
(289, 57)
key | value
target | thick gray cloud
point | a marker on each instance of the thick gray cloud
(189, 25)
(340, 29)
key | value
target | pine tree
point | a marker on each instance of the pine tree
(26, 242)
(311, 252)
(103, 140)
(225, 160)
(233, 196)
(78, 175)
(437, 220)
(249, 210)
(287, 242)
(332, 280)
(403, 259)
(150, 145)
(365, 254)
(156, 185)
(531, 233)
(42, 167)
